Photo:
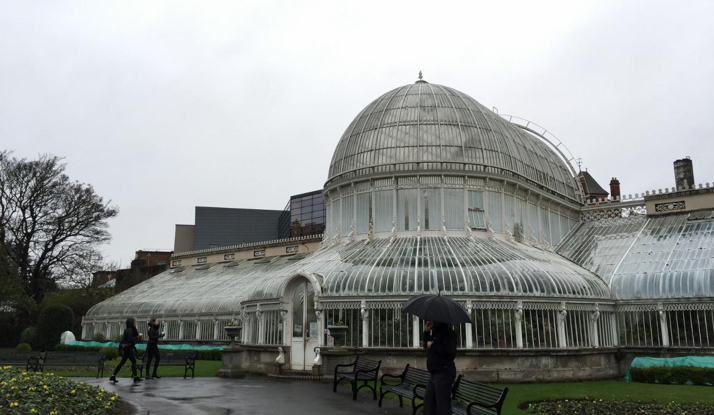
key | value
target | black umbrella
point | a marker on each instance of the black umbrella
(437, 308)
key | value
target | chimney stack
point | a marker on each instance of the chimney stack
(615, 189)
(683, 173)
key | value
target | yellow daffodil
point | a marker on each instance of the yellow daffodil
(114, 398)
(26, 378)
(13, 388)
(45, 387)
(73, 392)
(12, 380)
(14, 405)
(3, 383)
(81, 383)
(32, 410)
(24, 373)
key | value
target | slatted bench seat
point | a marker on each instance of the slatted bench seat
(363, 370)
(412, 385)
(74, 359)
(474, 398)
(31, 360)
(186, 359)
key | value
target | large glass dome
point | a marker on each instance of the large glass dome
(429, 127)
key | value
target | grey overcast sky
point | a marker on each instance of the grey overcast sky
(166, 105)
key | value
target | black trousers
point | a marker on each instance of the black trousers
(127, 354)
(437, 399)
(152, 350)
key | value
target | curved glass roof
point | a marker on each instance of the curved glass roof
(407, 266)
(444, 129)
(668, 256)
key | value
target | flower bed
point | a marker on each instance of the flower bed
(614, 407)
(44, 393)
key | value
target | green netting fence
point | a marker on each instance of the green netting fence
(678, 364)
(142, 346)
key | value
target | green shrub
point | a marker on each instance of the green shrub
(110, 353)
(117, 338)
(209, 355)
(99, 337)
(71, 348)
(673, 375)
(23, 347)
(29, 336)
(54, 320)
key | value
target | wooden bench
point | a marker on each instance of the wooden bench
(412, 385)
(188, 361)
(31, 360)
(74, 359)
(474, 398)
(363, 370)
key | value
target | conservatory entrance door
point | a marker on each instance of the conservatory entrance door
(304, 327)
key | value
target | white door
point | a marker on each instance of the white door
(305, 333)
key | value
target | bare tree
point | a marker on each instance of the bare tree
(46, 220)
(78, 271)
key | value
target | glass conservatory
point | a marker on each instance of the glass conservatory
(430, 192)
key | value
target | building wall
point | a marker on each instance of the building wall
(693, 200)
(217, 227)
(183, 238)
(286, 248)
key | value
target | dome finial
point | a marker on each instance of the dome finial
(421, 79)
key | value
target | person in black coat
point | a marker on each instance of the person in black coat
(152, 347)
(440, 343)
(127, 346)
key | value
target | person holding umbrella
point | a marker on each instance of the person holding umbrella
(440, 344)
(439, 340)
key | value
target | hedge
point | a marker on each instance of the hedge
(23, 347)
(202, 354)
(673, 375)
(54, 320)
(110, 353)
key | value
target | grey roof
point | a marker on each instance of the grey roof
(592, 187)
(668, 256)
(426, 126)
(458, 266)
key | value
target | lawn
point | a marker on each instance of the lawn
(606, 389)
(204, 368)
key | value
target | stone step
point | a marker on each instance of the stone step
(306, 375)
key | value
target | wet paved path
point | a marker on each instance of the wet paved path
(249, 396)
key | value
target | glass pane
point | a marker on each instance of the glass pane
(384, 210)
(364, 206)
(298, 299)
(406, 209)
(454, 208)
(311, 320)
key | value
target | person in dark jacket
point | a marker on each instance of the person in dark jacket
(440, 343)
(127, 346)
(152, 348)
